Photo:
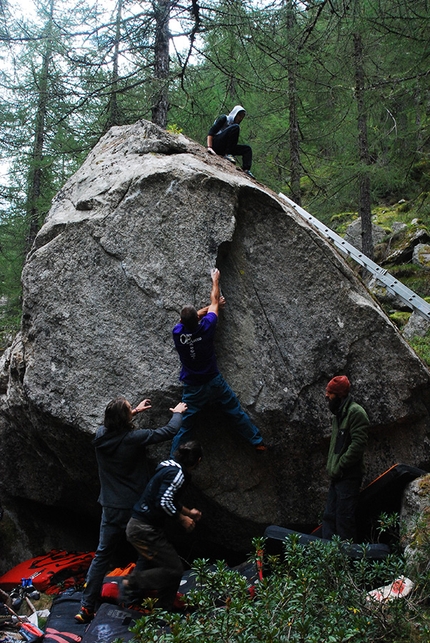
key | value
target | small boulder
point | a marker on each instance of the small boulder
(353, 234)
(421, 255)
(401, 245)
(417, 326)
(397, 226)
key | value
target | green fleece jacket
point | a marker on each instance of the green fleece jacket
(348, 441)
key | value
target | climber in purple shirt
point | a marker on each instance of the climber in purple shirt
(202, 381)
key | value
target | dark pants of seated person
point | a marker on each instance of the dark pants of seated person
(339, 514)
(226, 143)
(163, 567)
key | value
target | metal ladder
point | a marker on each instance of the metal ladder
(393, 285)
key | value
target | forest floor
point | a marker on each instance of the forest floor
(416, 217)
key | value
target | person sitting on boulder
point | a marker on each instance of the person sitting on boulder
(124, 473)
(201, 379)
(145, 530)
(223, 138)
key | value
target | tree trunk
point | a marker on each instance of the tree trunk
(36, 168)
(364, 206)
(113, 117)
(295, 165)
(160, 105)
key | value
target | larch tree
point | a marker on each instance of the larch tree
(292, 64)
(160, 103)
(364, 202)
(113, 115)
(34, 213)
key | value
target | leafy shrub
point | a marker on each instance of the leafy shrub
(311, 594)
(172, 128)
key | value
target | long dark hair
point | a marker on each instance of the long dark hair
(118, 416)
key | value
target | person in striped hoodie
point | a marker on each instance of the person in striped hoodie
(145, 530)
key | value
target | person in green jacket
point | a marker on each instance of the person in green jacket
(345, 460)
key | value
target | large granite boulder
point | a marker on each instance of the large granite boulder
(129, 240)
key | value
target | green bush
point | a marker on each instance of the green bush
(311, 594)
(172, 128)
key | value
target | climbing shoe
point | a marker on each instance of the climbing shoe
(85, 615)
(249, 173)
(264, 447)
(230, 158)
(129, 593)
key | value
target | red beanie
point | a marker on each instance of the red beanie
(339, 386)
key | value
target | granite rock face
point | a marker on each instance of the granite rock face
(129, 240)
(415, 522)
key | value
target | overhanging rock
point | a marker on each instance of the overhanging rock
(129, 240)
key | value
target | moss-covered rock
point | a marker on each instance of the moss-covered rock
(401, 245)
(340, 222)
(421, 255)
(415, 518)
(400, 318)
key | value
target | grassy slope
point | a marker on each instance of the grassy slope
(415, 214)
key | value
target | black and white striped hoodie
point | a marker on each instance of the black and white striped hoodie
(160, 500)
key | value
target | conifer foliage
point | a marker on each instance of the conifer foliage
(336, 95)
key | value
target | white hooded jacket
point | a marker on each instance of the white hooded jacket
(224, 121)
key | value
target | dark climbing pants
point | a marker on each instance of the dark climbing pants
(163, 567)
(226, 143)
(112, 528)
(112, 531)
(216, 390)
(339, 514)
